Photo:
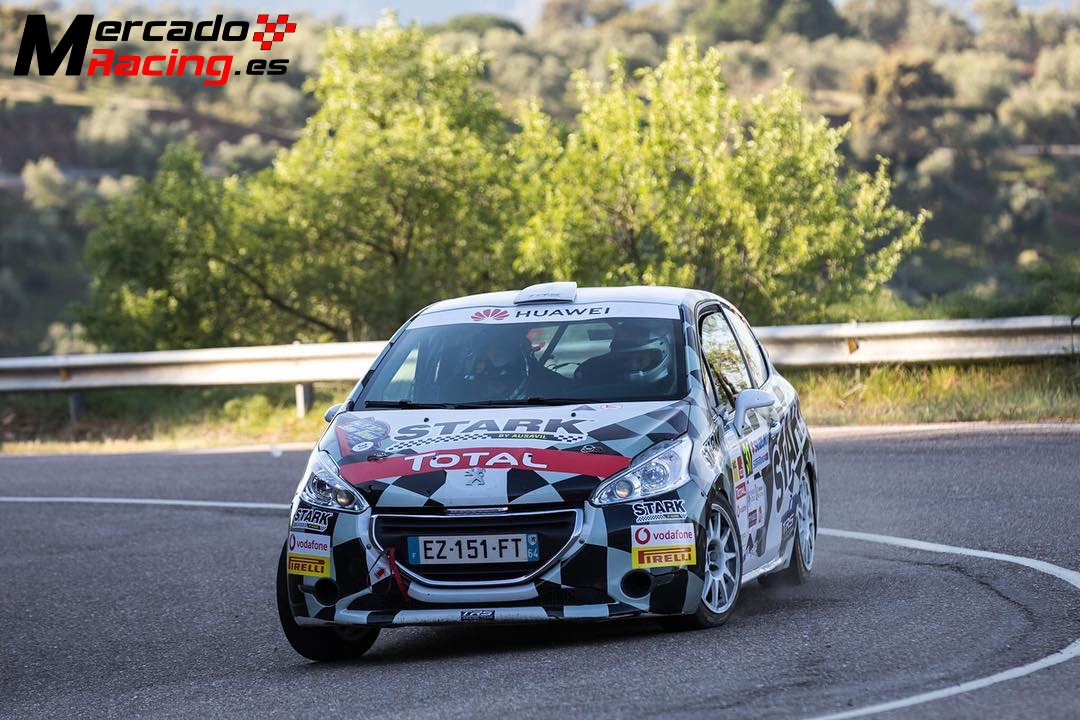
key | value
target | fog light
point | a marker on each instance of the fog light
(326, 592)
(636, 583)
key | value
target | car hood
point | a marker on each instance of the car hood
(535, 455)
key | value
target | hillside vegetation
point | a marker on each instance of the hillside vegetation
(780, 152)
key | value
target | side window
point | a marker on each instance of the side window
(759, 369)
(722, 354)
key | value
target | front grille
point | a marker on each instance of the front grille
(555, 530)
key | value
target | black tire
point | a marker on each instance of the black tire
(323, 644)
(802, 561)
(706, 616)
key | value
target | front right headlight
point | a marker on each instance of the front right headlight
(323, 486)
(661, 469)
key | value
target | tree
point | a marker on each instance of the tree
(477, 24)
(396, 194)
(893, 119)
(721, 20)
(922, 23)
(1004, 28)
(675, 181)
(159, 258)
(1044, 116)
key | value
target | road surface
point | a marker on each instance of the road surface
(114, 610)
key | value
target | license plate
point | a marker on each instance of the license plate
(464, 549)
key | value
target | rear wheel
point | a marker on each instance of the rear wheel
(721, 568)
(342, 642)
(802, 554)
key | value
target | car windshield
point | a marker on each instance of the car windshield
(488, 362)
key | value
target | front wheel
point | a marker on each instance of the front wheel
(320, 643)
(721, 569)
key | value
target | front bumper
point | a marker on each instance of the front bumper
(590, 575)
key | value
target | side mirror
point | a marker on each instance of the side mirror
(748, 399)
(331, 412)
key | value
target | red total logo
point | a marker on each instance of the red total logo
(490, 314)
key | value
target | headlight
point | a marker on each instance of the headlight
(661, 469)
(322, 485)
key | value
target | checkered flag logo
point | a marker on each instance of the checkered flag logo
(273, 32)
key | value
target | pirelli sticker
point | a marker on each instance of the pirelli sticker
(308, 554)
(305, 565)
(668, 545)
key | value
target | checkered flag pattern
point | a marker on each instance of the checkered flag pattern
(273, 31)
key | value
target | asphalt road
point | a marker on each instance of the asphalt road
(115, 611)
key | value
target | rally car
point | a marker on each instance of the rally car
(550, 454)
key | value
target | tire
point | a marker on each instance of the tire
(323, 644)
(721, 566)
(805, 540)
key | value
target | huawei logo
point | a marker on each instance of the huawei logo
(490, 314)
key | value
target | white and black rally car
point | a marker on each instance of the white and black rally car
(550, 454)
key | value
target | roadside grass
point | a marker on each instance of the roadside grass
(196, 418)
(162, 419)
(1045, 390)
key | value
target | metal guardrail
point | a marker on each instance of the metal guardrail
(792, 346)
(922, 341)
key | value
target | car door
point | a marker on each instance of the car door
(747, 452)
(778, 471)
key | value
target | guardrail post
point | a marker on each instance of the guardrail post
(305, 398)
(76, 405)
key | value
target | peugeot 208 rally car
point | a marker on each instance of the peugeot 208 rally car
(550, 454)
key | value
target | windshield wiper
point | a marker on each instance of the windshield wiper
(405, 404)
(523, 401)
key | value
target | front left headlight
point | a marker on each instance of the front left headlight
(661, 469)
(323, 486)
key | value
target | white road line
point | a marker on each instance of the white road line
(148, 501)
(1070, 576)
(1068, 653)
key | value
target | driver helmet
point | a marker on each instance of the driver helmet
(501, 361)
(645, 355)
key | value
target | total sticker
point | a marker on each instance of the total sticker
(668, 545)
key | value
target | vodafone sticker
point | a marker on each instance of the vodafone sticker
(310, 544)
(670, 544)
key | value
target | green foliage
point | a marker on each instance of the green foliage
(122, 136)
(478, 24)
(676, 182)
(892, 120)
(1041, 117)
(913, 23)
(158, 259)
(250, 154)
(721, 20)
(395, 194)
(980, 79)
(1003, 28)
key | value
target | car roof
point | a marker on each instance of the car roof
(639, 293)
